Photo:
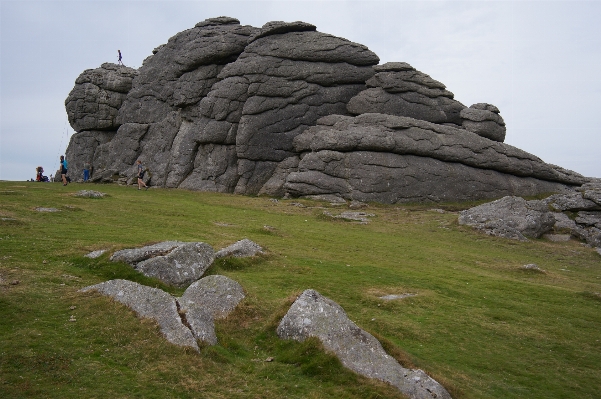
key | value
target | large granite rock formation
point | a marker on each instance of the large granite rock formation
(223, 107)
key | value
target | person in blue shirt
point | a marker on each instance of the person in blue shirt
(64, 170)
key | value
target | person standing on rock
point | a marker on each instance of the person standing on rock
(120, 62)
(63, 170)
(141, 172)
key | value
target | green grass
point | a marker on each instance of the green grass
(478, 324)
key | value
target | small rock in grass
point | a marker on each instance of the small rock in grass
(393, 297)
(532, 266)
(95, 254)
(47, 209)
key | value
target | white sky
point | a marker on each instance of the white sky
(538, 61)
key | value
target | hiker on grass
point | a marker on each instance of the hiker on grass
(120, 62)
(64, 170)
(141, 172)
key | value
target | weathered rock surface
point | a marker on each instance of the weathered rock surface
(385, 158)
(94, 102)
(151, 303)
(180, 267)
(173, 262)
(225, 107)
(484, 120)
(313, 315)
(240, 249)
(89, 194)
(95, 254)
(181, 321)
(210, 298)
(135, 255)
(510, 217)
(399, 89)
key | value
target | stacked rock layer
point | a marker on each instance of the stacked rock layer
(286, 109)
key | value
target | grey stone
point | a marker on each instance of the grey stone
(150, 303)
(352, 216)
(573, 201)
(484, 120)
(532, 266)
(240, 249)
(313, 315)
(563, 222)
(94, 102)
(210, 298)
(373, 176)
(181, 266)
(593, 195)
(598, 250)
(89, 194)
(280, 27)
(217, 295)
(399, 89)
(230, 108)
(95, 254)
(408, 136)
(557, 237)
(41, 209)
(136, 255)
(392, 297)
(589, 219)
(510, 217)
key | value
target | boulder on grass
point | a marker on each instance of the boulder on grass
(151, 303)
(510, 217)
(313, 315)
(240, 249)
(175, 263)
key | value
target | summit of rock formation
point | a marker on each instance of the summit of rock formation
(288, 110)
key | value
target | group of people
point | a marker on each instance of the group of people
(141, 171)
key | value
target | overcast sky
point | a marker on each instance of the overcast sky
(539, 62)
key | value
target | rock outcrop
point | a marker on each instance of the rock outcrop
(564, 215)
(240, 249)
(313, 315)
(233, 108)
(510, 217)
(181, 321)
(173, 262)
(151, 303)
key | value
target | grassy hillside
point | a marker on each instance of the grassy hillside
(478, 324)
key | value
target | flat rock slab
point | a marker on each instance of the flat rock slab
(396, 296)
(182, 321)
(173, 262)
(182, 266)
(352, 216)
(210, 298)
(510, 217)
(313, 315)
(47, 210)
(150, 303)
(240, 249)
(89, 194)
